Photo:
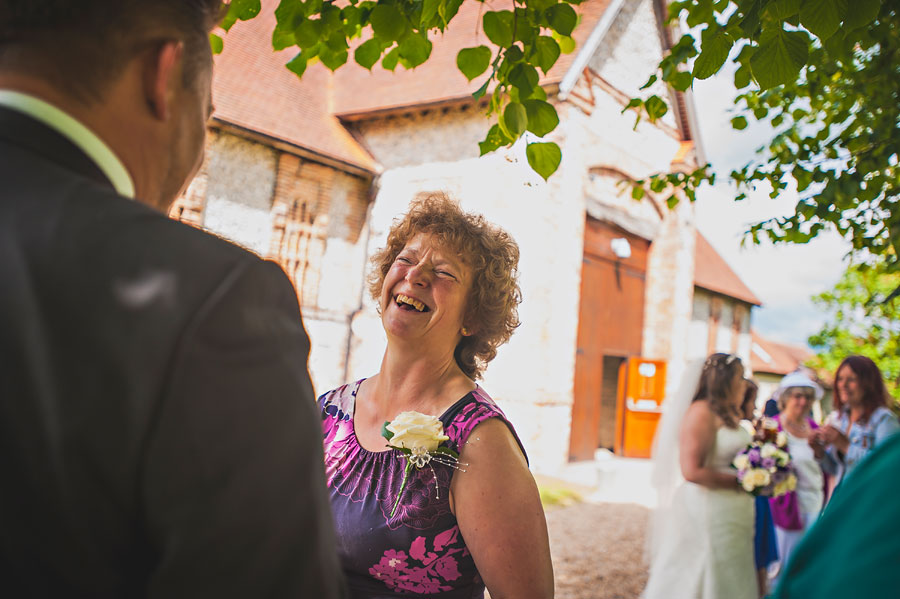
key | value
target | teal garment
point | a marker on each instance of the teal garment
(854, 548)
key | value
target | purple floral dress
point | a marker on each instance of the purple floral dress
(420, 551)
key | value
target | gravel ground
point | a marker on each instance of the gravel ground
(598, 550)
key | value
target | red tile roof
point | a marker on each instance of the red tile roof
(712, 273)
(776, 358)
(439, 80)
(253, 90)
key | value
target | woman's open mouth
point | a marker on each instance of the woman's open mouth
(404, 302)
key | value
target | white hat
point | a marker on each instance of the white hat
(800, 379)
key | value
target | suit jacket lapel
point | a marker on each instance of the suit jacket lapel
(34, 136)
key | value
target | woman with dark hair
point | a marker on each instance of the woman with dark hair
(411, 520)
(863, 419)
(701, 539)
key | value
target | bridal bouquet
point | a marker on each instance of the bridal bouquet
(764, 467)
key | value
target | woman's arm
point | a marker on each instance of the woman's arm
(500, 516)
(884, 429)
(698, 433)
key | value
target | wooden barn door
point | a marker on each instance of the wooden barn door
(610, 322)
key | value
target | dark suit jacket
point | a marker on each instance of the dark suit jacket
(158, 431)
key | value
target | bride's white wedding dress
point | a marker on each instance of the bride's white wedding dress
(703, 547)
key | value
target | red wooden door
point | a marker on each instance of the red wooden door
(610, 321)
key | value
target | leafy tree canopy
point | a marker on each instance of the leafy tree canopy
(525, 38)
(825, 74)
(862, 321)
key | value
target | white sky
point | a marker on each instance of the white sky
(783, 277)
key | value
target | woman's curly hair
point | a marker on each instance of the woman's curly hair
(491, 312)
(715, 385)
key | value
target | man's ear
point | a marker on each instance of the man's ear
(161, 67)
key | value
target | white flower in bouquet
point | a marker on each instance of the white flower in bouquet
(755, 478)
(781, 439)
(741, 461)
(768, 450)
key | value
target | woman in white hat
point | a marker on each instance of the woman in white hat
(795, 512)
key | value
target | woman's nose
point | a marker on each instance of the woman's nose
(417, 275)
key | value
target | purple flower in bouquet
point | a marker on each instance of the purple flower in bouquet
(768, 463)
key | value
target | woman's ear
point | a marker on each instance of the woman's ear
(161, 77)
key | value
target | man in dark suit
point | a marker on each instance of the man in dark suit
(158, 431)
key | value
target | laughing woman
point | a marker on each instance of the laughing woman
(411, 519)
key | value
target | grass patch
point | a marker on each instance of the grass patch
(556, 496)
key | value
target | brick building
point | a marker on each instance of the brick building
(311, 173)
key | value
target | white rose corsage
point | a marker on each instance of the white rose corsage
(418, 437)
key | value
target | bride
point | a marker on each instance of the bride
(701, 537)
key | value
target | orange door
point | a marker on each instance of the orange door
(642, 386)
(610, 323)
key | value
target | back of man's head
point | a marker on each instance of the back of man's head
(80, 46)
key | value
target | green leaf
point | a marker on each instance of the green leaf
(682, 81)
(337, 41)
(782, 10)
(495, 138)
(739, 122)
(385, 432)
(282, 38)
(562, 18)
(429, 12)
(713, 55)
(741, 77)
(351, 16)
(779, 58)
(297, 64)
(448, 9)
(415, 49)
(472, 62)
(308, 33)
(515, 119)
(542, 117)
(750, 21)
(331, 58)
(311, 7)
(537, 93)
(477, 94)
(637, 192)
(656, 107)
(368, 53)
(525, 77)
(566, 44)
(216, 44)
(545, 53)
(390, 59)
(701, 12)
(498, 26)
(540, 5)
(388, 22)
(544, 158)
(861, 14)
(822, 17)
(240, 10)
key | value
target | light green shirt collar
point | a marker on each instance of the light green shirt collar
(75, 132)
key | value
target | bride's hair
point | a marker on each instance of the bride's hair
(715, 385)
